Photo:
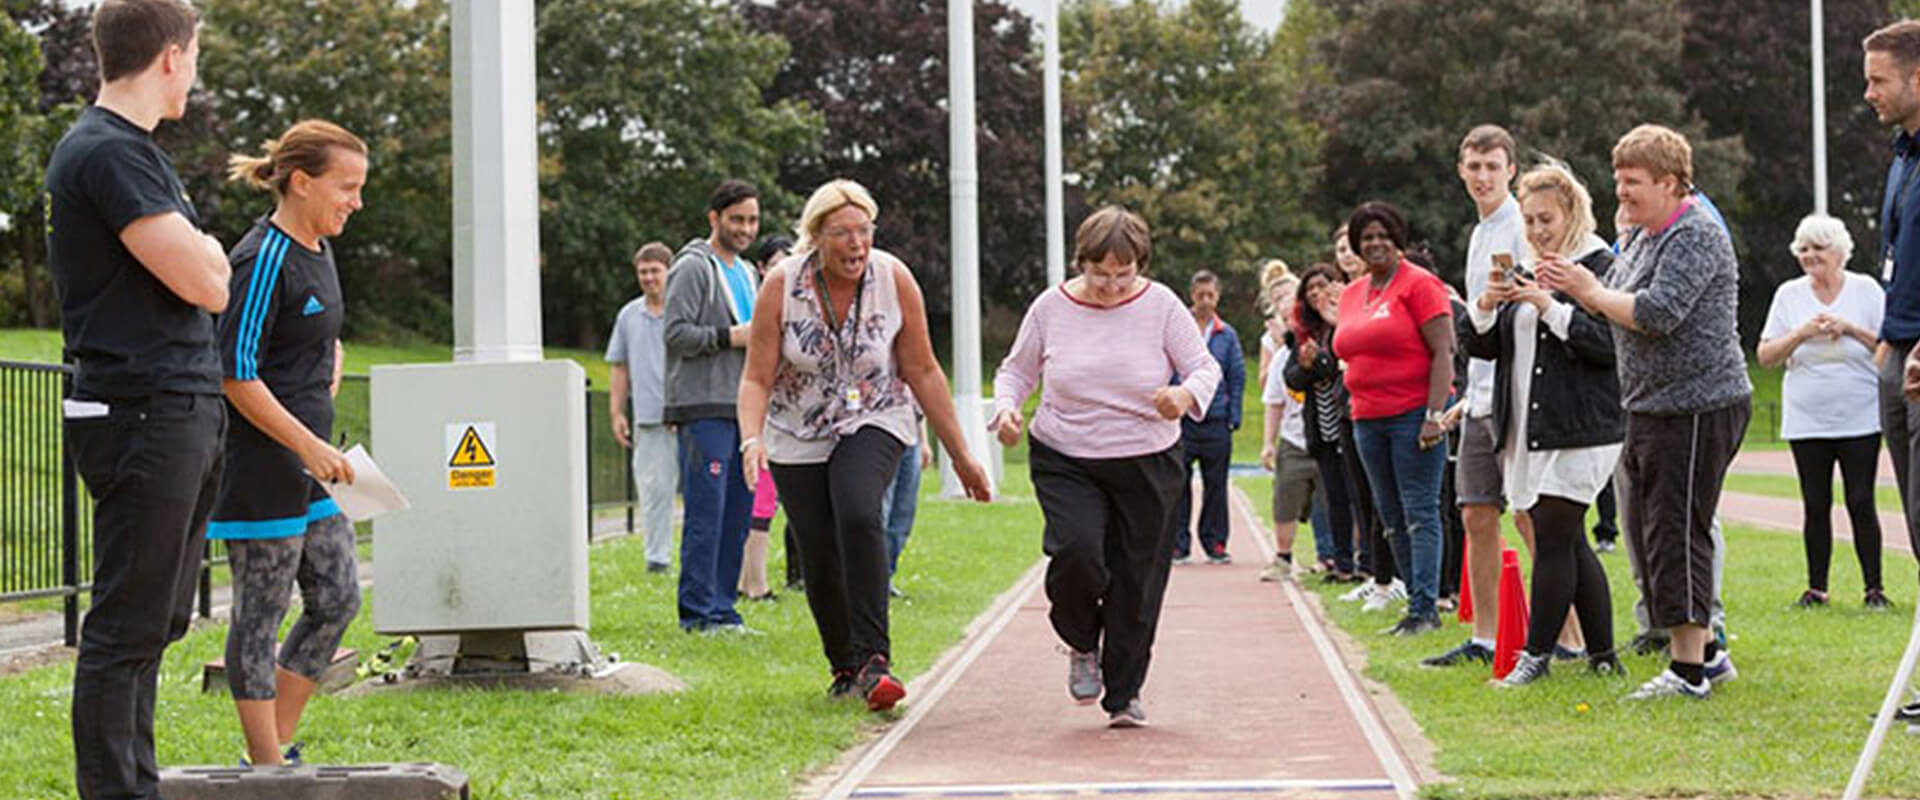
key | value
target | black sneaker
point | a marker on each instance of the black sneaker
(1414, 626)
(1133, 716)
(1811, 598)
(1877, 600)
(1606, 666)
(843, 684)
(1467, 652)
(1564, 653)
(1909, 713)
(877, 684)
(1648, 643)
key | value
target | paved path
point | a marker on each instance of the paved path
(1780, 462)
(1247, 698)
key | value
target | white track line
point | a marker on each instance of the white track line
(1134, 788)
(1009, 605)
(1363, 711)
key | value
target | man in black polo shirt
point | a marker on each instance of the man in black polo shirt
(138, 284)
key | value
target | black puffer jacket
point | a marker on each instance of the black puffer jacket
(1575, 396)
(1326, 392)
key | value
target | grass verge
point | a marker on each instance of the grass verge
(754, 721)
(1791, 726)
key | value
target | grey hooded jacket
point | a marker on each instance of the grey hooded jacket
(703, 370)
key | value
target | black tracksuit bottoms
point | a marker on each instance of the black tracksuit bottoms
(1110, 541)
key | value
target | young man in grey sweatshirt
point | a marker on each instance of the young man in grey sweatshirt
(710, 290)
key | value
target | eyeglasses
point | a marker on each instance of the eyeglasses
(850, 234)
(1115, 279)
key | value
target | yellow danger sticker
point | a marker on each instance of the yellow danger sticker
(471, 464)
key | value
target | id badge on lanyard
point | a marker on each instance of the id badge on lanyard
(1899, 200)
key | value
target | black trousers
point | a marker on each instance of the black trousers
(1566, 574)
(1210, 444)
(1107, 535)
(1453, 535)
(1859, 459)
(153, 468)
(1900, 424)
(1676, 466)
(1340, 504)
(1607, 506)
(835, 511)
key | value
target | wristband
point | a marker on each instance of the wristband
(750, 441)
(1436, 417)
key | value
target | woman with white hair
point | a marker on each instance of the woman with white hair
(838, 354)
(1823, 326)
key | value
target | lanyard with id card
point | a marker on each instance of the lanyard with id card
(1893, 219)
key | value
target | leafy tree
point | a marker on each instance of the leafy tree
(877, 70)
(1192, 119)
(41, 99)
(1759, 91)
(1410, 77)
(646, 105)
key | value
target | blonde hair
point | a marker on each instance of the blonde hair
(1273, 274)
(1659, 150)
(306, 147)
(1553, 179)
(832, 196)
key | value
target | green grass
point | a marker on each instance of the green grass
(754, 720)
(1790, 727)
(1886, 498)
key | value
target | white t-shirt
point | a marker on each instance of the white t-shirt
(1503, 231)
(1831, 389)
(1293, 427)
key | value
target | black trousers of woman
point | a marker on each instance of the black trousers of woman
(1340, 506)
(1566, 574)
(1376, 553)
(835, 511)
(1859, 459)
(1110, 542)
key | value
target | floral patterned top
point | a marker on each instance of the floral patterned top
(832, 382)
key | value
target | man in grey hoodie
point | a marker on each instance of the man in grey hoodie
(710, 291)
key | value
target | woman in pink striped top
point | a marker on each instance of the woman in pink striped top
(1104, 450)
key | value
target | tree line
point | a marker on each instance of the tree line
(1238, 144)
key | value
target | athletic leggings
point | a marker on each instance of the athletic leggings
(321, 561)
(1566, 574)
(1859, 459)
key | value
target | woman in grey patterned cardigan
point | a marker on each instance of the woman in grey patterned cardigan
(1672, 297)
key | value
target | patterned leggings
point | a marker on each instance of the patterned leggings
(264, 572)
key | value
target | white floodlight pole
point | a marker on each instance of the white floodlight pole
(1056, 211)
(965, 198)
(1819, 49)
(496, 190)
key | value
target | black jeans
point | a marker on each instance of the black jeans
(1210, 444)
(153, 468)
(1859, 459)
(835, 511)
(1107, 537)
(1340, 505)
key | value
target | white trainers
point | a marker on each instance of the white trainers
(1277, 572)
(1380, 598)
(1359, 592)
(1667, 684)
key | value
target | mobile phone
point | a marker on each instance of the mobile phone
(1502, 264)
(1521, 273)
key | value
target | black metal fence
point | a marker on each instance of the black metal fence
(46, 517)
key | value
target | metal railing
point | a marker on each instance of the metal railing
(46, 516)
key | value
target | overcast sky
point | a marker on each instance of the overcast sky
(1264, 13)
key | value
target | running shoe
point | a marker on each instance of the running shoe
(1667, 684)
(1564, 653)
(1360, 591)
(1383, 596)
(843, 684)
(1277, 572)
(1811, 598)
(877, 684)
(1528, 669)
(1219, 558)
(1606, 667)
(1721, 669)
(1877, 600)
(1650, 642)
(1133, 716)
(1605, 546)
(1083, 675)
(1469, 652)
(1411, 625)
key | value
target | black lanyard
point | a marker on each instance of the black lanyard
(842, 351)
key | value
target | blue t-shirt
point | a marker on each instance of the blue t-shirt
(741, 285)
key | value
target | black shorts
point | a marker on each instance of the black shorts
(1676, 466)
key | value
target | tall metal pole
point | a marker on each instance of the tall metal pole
(496, 190)
(964, 196)
(1056, 211)
(1819, 51)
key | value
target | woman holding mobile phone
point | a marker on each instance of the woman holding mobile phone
(1557, 418)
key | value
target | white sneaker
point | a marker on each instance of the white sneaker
(1359, 592)
(1277, 572)
(1380, 598)
(1667, 684)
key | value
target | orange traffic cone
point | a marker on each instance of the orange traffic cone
(1511, 637)
(1466, 586)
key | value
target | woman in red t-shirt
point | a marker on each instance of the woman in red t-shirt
(1396, 335)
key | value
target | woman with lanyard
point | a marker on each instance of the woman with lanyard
(1105, 450)
(838, 343)
(280, 348)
